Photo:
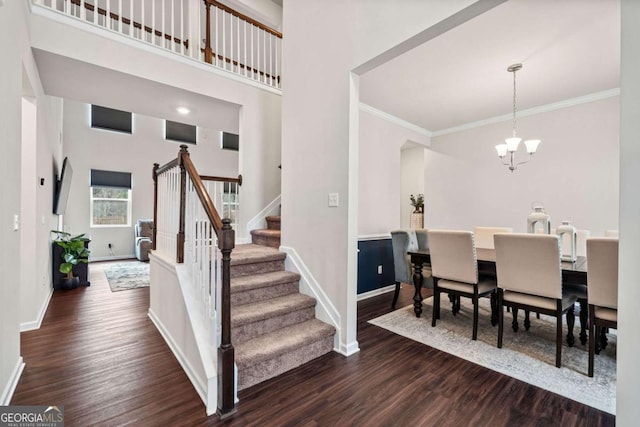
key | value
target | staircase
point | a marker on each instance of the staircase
(273, 326)
(269, 236)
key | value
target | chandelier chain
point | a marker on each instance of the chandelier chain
(514, 103)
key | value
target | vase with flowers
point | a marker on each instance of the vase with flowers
(417, 216)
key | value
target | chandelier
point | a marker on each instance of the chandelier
(510, 145)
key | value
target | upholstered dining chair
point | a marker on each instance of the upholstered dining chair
(577, 289)
(404, 241)
(530, 278)
(602, 278)
(483, 236)
(454, 267)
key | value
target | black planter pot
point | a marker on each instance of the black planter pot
(67, 283)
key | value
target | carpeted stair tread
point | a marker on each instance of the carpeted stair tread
(266, 237)
(252, 313)
(257, 281)
(273, 222)
(266, 232)
(281, 341)
(250, 253)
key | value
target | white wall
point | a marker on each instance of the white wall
(89, 148)
(574, 173)
(627, 408)
(41, 149)
(23, 299)
(319, 136)
(12, 46)
(259, 107)
(381, 173)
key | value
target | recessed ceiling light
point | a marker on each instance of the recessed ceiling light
(183, 110)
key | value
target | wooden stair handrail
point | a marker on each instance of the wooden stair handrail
(128, 21)
(237, 180)
(226, 243)
(244, 17)
(201, 191)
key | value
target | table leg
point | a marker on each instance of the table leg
(584, 320)
(417, 282)
(571, 317)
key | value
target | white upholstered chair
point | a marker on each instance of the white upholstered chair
(611, 233)
(530, 278)
(454, 267)
(602, 277)
(484, 235)
(404, 241)
(579, 290)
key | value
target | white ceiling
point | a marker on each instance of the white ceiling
(84, 82)
(568, 48)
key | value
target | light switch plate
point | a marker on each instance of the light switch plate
(333, 200)
(16, 222)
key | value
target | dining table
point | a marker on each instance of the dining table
(572, 273)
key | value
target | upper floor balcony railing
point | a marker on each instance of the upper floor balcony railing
(205, 30)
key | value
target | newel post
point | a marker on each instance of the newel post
(183, 203)
(155, 205)
(226, 404)
(208, 53)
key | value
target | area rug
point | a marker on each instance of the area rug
(127, 275)
(528, 356)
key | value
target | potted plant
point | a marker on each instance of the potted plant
(74, 252)
(417, 202)
(417, 216)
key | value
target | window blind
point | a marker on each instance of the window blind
(101, 178)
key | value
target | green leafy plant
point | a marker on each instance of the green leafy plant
(417, 202)
(74, 249)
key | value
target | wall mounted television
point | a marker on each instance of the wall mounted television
(63, 185)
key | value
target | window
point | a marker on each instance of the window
(230, 141)
(110, 119)
(231, 202)
(110, 199)
(180, 132)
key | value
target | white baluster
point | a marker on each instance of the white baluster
(182, 16)
(252, 52)
(224, 37)
(246, 64)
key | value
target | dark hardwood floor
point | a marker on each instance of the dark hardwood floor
(99, 355)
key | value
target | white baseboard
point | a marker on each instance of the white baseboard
(349, 349)
(199, 385)
(258, 221)
(112, 257)
(376, 292)
(325, 310)
(10, 388)
(35, 324)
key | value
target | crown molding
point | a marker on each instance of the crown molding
(395, 120)
(597, 96)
